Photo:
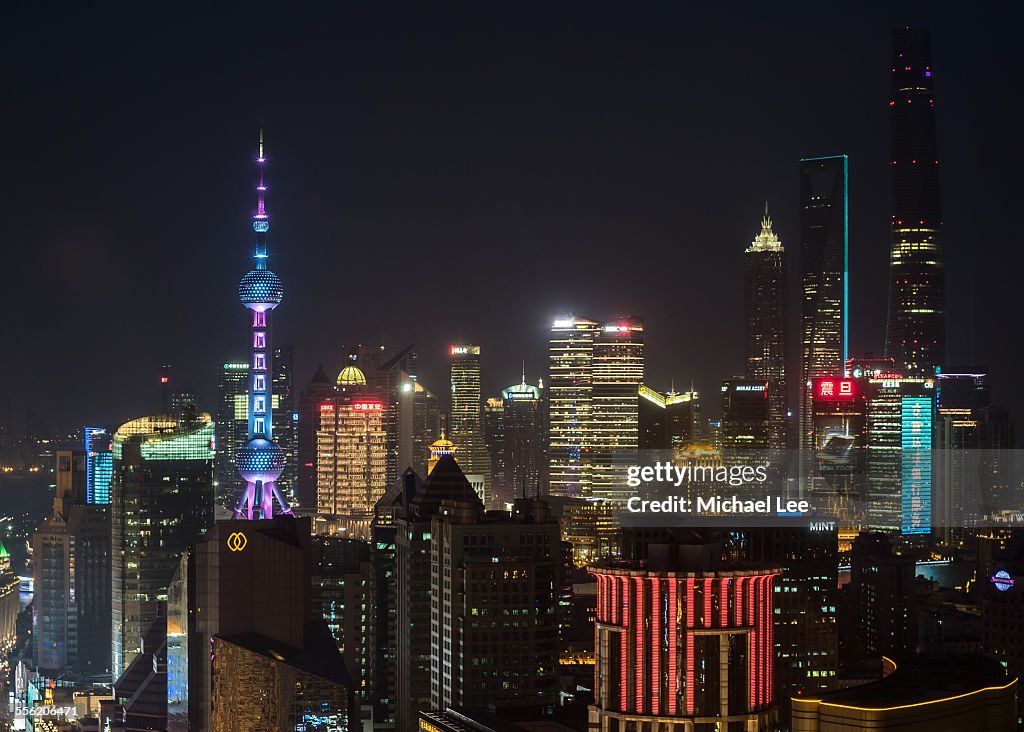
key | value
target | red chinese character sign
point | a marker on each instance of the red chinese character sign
(834, 389)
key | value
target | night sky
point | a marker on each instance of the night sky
(445, 171)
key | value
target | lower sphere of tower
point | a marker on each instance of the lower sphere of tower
(260, 459)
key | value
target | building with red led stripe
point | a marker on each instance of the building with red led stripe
(351, 456)
(685, 638)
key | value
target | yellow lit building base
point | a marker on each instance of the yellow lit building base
(988, 708)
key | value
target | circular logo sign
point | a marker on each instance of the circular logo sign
(1002, 580)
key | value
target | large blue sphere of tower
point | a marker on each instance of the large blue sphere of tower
(260, 461)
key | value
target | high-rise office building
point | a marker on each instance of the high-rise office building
(916, 332)
(824, 243)
(99, 465)
(71, 569)
(342, 576)
(878, 617)
(837, 477)
(351, 454)
(618, 372)
(232, 427)
(493, 419)
(484, 570)
(973, 441)
(746, 420)
(414, 600)
(570, 386)
(465, 425)
(161, 502)
(284, 416)
(383, 592)
(260, 461)
(683, 637)
(765, 314)
(898, 445)
(524, 439)
(669, 421)
(806, 602)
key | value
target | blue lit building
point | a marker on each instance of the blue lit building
(99, 465)
(917, 412)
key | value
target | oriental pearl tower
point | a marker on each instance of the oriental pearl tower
(260, 461)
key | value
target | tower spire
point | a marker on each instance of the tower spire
(262, 187)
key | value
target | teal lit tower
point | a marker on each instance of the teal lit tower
(260, 461)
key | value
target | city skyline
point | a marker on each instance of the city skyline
(629, 378)
(330, 204)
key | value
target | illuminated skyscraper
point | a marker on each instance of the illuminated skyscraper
(99, 465)
(824, 241)
(570, 385)
(466, 428)
(683, 638)
(766, 294)
(351, 454)
(260, 461)
(232, 427)
(916, 332)
(618, 371)
(161, 501)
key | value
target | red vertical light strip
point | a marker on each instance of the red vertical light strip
(655, 646)
(623, 586)
(723, 602)
(751, 608)
(771, 637)
(615, 599)
(769, 641)
(638, 671)
(738, 594)
(760, 640)
(690, 665)
(708, 619)
(624, 664)
(673, 650)
(752, 660)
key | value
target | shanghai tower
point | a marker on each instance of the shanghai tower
(260, 461)
(916, 331)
